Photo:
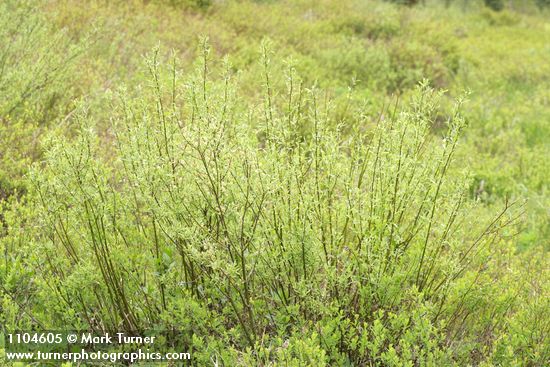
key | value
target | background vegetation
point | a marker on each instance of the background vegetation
(284, 182)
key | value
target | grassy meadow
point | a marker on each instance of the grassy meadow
(283, 183)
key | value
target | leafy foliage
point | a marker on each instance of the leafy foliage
(496, 5)
(35, 64)
(307, 200)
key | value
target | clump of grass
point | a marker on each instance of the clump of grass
(263, 233)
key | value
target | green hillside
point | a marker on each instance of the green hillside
(283, 183)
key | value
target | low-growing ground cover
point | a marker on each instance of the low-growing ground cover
(313, 183)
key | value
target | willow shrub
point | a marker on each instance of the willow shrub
(264, 234)
(35, 63)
